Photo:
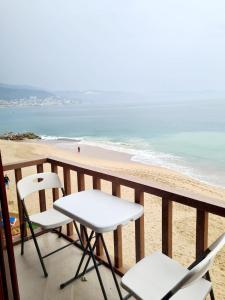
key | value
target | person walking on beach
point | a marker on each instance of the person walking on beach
(6, 180)
(78, 149)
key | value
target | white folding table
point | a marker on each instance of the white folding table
(101, 213)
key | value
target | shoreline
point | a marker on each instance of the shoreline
(204, 170)
(99, 152)
(95, 152)
(109, 159)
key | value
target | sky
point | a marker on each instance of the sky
(135, 46)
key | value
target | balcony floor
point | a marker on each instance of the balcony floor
(60, 266)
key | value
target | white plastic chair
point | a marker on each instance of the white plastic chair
(47, 220)
(158, 277)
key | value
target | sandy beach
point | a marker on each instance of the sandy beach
(184, 217)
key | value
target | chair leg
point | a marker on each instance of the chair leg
(207, 276)
(60, 230)
(128, 296)
(38, 249)
(22, 229)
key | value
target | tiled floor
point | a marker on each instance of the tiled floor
(60, 266)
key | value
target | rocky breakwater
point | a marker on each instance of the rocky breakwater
(12, 136)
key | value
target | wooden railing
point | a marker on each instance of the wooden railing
(203, 205)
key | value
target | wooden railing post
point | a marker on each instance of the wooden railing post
(8, 276)
(80, 182)
(201, 231)
(167, 220)
(18, 176)
(55, 192)
(117, 234)
(81, 187)
(97, 186)
(96, 183)
(67, 187)
(42, 198)
(139, 229)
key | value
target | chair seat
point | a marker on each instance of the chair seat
(154, 276)
(50, 219)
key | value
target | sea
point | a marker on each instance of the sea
(181, 133)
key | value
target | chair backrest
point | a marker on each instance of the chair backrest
(37, 182)
(199, 270)
(202, 265)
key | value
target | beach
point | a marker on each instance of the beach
(120, 163)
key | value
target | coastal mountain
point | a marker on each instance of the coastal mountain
(11, 95)
(12, 92)
(99, 95)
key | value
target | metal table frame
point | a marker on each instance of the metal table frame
(89, 249)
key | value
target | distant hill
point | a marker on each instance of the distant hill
(11, 92)
(98, 95)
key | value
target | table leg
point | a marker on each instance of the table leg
(85, 250)
(89, 258)
(78, 233)
(95, 264)
(90, 249)
(111, 267)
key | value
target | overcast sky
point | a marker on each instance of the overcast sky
(125, 45)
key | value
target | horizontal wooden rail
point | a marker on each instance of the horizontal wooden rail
(24, 164)
(212, 205)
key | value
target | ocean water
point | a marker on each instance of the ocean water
(187, 135)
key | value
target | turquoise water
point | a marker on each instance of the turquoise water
(188, 136)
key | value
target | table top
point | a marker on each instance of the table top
(97, 210)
